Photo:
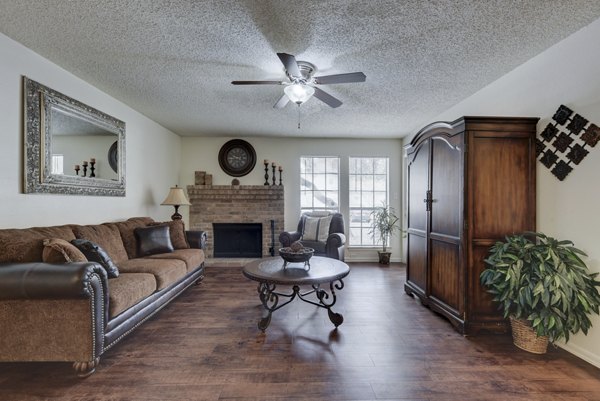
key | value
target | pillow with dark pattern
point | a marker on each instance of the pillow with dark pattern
(94, 253)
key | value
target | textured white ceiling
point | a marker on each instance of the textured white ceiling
(174, 60)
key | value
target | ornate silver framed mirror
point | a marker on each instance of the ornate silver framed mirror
(70, 148)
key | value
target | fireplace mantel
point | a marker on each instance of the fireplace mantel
(238, 204)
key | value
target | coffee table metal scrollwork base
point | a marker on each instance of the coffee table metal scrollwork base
(270, 300)
(324, 272)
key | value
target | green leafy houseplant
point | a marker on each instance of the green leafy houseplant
(384, 222)
(544, 281)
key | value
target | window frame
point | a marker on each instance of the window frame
(356, 185)
(335, 208)
(58, 163)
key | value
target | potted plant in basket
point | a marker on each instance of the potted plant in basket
(384, 223)
(544, 286)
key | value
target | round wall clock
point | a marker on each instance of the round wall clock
(237, 158)
(113, 157)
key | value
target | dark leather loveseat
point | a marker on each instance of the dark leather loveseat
(74, 311)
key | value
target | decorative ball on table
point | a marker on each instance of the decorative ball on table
(296, 253)
(296, 246)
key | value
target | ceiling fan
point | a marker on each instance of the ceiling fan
(302, 83)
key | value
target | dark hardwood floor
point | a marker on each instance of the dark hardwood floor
(205, 346)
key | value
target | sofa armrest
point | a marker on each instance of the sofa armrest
(334, 248)
(335, 240)
(197, 239)
(288, 237)
(50, 281)
(39, 288)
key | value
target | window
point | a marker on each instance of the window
(57, 164)
(368, 185)
(319, 183)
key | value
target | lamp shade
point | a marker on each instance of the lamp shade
(299, 93)
(176, 197)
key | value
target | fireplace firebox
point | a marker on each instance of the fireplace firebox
(237, 240)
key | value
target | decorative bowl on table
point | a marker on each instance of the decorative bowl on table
(302, 255)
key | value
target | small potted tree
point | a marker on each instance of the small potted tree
(384, 224)
(544, 286)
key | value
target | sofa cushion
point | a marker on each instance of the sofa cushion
(316, 228)
(126, 228)
(107, 236)
(177, 233)
(23, 245)
(127, 290)
(166, 271)
(94, 253)
(58, 250)
(151, 240)
(193, 258)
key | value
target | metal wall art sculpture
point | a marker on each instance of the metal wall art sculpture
(563, 143)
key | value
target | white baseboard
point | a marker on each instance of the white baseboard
(368, 259)
(357, 254)
(584, 354)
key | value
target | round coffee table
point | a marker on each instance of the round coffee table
(270, 272)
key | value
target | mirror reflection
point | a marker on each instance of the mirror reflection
(80, 148)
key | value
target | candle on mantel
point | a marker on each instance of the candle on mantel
(93, 160)
(85, 163)
(266, 161)
(280, 168)
(77, 167)
(273, 164)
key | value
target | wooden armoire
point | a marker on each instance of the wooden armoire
(470, 183)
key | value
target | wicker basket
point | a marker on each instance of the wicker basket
(526, 338)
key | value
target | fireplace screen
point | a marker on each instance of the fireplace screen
(237, 240)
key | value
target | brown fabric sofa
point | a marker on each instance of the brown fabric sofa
(73, 311)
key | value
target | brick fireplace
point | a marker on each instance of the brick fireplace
(237, 204)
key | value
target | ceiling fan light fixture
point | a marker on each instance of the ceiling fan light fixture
(302, 85)
(299, 93)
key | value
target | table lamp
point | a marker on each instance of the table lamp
(176, 197)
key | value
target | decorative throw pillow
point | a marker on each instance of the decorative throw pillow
(107, 236)
(94, 253)
(176, 232)
(152, 240)
(126, 229)
(58, 250)
(316, 228)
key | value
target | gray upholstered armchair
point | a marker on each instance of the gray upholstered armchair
(322, 231)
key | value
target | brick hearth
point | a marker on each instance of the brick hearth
(237, 204)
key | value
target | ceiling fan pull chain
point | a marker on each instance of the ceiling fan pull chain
(298, 115)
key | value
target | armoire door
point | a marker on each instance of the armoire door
(417, 224)
(446, 271)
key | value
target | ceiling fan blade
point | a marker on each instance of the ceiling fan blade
(257, 82)
(341, 78)
(282, 102)
(327, 98)
(290, 64)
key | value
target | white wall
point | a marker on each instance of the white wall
(569, 74)
(152, 151)
(200, 154)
